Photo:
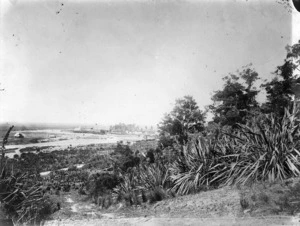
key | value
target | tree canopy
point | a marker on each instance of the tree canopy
(280, 89)
(236, 100)
(185, 118)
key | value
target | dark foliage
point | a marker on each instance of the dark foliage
(101, 184)
(124, 158)
(235, 102)
(282, 88)
(185, 118)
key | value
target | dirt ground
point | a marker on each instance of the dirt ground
(180, 221)
(217, 207)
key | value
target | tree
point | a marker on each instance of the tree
(280, 90)
(185, 118)
(234, 103)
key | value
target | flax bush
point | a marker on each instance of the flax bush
(266, 149)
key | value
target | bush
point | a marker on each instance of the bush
(264, 151)
(23, 199)
(144, 183)
(195, 168)
(157, 194)
(100, 184)
(122, 150)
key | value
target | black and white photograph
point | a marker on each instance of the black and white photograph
(149, 112)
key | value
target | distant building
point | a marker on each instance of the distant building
(93, 130)
(150, 137)
(77, 129)
(19, 135)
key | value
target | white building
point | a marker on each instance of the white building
(19, 135)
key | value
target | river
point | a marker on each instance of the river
(73, 140)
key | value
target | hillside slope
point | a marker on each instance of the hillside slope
(217, 207)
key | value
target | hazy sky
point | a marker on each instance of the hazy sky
(127, 61)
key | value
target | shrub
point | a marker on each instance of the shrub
(264, 151)
(23, 199)
(129, 162)
(195, 168)
(155, 175)
(157, 194)
(144, 183)
(122, 149)
(100, 184)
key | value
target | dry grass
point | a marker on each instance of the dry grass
(274, 198)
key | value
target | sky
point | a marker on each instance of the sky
(128, 61)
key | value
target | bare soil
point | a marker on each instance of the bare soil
(217, 207)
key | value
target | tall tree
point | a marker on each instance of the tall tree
(185, 118)
(280, 89)
(234, 103)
